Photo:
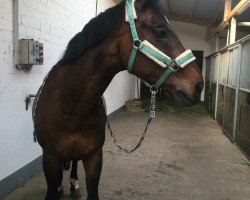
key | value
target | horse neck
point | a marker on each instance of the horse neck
(95, 70)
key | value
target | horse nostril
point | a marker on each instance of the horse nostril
(198, 88)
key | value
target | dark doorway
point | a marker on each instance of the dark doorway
(199, 58)
(145, 93)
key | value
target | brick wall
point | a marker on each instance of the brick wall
(52, 22)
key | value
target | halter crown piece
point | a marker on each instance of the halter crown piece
(151, 51)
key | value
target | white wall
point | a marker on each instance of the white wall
(52, 22)
(194, 37)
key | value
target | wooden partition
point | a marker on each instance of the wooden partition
(227, 91)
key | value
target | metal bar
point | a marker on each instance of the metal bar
(217, 87)
(217, 39)
(245, 90)
(242, 40)
(228, 36)
(244, 24)
(233, 27)
(229, 86)
(239, 59)
(27, 100)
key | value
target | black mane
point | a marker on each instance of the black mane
(97, 29)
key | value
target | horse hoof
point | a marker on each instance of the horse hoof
(76, 194)
(55, 196)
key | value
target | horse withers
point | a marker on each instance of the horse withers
(69, 117)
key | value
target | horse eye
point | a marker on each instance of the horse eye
(160, 32)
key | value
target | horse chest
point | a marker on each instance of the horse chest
(79, 145)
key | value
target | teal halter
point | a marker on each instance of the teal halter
(152, 52)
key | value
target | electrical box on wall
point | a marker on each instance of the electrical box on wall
(31, 53)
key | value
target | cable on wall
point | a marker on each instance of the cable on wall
(96, 7)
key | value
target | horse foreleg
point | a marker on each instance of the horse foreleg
(93, 168)
(74, 189)
(53, 172)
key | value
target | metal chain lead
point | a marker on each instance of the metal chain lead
(150, 117)
(138, 144)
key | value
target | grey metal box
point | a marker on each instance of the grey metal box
(31, 52)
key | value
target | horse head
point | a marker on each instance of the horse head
(151, 25)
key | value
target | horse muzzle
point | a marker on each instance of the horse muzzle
(184, 95)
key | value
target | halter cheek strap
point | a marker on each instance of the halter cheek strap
(151, 51)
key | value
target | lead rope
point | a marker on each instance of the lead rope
(150, 117)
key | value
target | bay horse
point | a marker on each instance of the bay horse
(68, 113)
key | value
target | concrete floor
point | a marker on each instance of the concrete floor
(184, 157)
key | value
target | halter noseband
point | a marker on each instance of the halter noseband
(151, 51)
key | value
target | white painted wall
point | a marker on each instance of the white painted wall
(194, 37)
(54, 23)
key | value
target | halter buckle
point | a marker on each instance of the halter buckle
(174, 66)
(137, 44)
(153, 89)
